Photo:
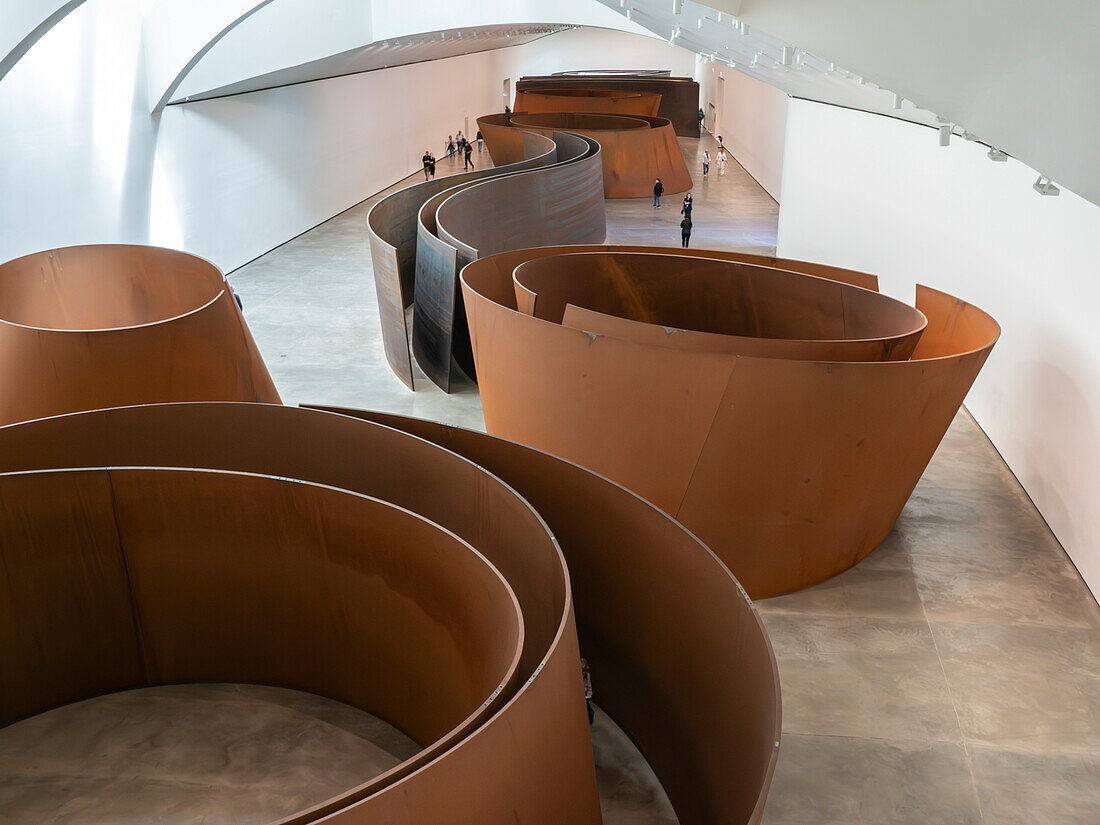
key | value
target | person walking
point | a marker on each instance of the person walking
(431, 164)
(685, 210)
(685, 231)
(427, 161)
(450, 146)
(469, 156)
(658, 190)
(480, 141)
(706, 162)
(721, 160)
(460, 142)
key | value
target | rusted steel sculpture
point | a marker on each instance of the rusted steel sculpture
(392, 231)
(361, 561)
(679, 95)
(783, 419)
(601, 101)
(635, 150)
(85, 327)
(561, 203)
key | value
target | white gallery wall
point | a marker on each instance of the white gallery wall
(751, 117)
(84, 161)
(878, 194)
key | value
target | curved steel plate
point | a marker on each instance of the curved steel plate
(791, 468)
(85, 327)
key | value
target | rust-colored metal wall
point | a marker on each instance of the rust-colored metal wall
(607, 101)
(562, 203)
(791, 468)
(679, 95)
(98, 326)
(392, 232)
(678, 654)
(635, 150)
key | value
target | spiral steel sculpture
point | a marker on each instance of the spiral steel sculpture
(635, 150)
(602, 101)
(783, 417)
(423, 582)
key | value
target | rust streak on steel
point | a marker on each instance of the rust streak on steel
(84, 327)
(786, 447)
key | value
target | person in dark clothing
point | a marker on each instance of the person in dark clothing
(431, 164)
(450, 146)
(685, 231)
(480, 141)
(427, 161)
(658, 190)
(507, 110)
(469, 153)
(685, 210)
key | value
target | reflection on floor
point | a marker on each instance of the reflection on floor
(952, 677)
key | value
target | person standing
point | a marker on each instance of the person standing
(480, 141)
(706, 163)
(658, 190)
(721, 160)
(469, 156)
(685, 231)
(460, 142)
(431, 164)
(685, 210)
(427, 161)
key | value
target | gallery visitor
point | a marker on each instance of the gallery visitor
(706, 162)
(685, 231)
(469, 156)
(658, 190)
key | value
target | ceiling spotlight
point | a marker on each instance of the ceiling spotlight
(622, 4)
(1044, 186)
(788, 55)
(630, 13)
(997, 155)
(945, 134)
(677, 6)
(700, 23)
(742, 27)
(897, 100)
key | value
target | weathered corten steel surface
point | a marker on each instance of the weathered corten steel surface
(790, 463)
(86, 327)
(340, 556)
(392, 231)
(679, 657)
(679, 95)
(635, 150)
(561, 203)
(606, 101)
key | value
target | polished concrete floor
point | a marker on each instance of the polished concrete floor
(952, 677)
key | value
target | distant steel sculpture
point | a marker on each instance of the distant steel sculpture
(635, 150)
(601, 101)
(561, 203)
(85, 327)
(392, 231)
(359, 560)
(679, 95)
(782, 418)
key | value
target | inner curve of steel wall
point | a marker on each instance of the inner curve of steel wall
(93, 326)
(559, 203)
(392, 232)
(792, 471)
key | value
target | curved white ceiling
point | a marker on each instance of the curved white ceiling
(23, 22)
(1020, 75)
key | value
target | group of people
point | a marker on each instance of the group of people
(723, 156)
(464, 148)
(685, 209)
